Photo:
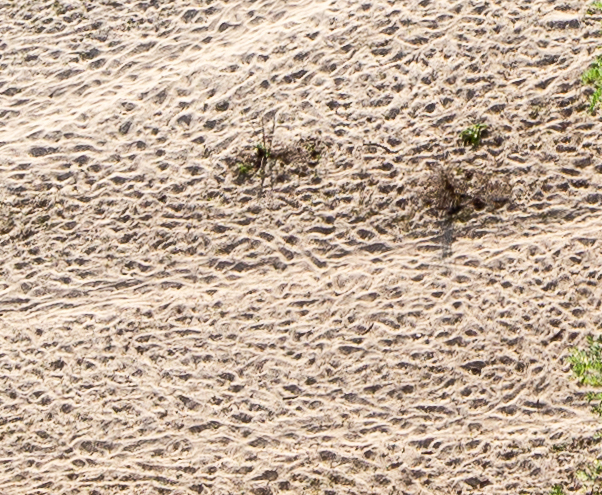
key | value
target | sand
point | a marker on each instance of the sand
(170, 326)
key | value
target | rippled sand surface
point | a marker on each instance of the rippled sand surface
(170, 326)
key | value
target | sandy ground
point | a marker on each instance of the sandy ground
(170, 327)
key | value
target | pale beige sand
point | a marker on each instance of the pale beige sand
(169, 329)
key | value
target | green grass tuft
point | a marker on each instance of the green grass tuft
(262, 151)
(591, 476)
(593, 77)
(591, 473)
(594, 8)
(587, 363)
(244, 168)
(472, 135)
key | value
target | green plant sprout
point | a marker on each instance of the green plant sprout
(587, 363)
(472, 135)
(591, 476)
(591, 473)
(593, 77)
(262, 152)
(244, 168)
(262, 155)
(557, 490)
(594, 8)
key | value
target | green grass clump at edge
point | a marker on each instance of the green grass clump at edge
(586, 365)
(594, 7)
(593, 77)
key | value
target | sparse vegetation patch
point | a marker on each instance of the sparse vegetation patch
(594, 8)
(593, 77)
(256, 162)
(591, 476)
(280, 162)
(586, 365)
(471, 136)
(557, 490)
(450, 191)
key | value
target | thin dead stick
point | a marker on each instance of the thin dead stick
(266, 153)
(388, 150)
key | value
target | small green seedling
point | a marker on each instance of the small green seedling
(262, 152)
(244, 168)
(473, 134)
(313, 151)
(596, 398)
(587, 368)
(255, 163)
(591, 476)
(587, 363)
(593, 77)
(594, 8)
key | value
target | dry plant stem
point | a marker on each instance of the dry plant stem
(267, 148)
(388, 150)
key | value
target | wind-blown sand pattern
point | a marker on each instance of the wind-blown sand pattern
(170, 327)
